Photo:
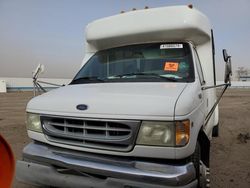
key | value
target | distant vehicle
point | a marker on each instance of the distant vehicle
(140, 112)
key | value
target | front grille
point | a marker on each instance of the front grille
(118, 135)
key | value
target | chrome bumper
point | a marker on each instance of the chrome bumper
(46, 165)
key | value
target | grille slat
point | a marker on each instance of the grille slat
(64, 125)
(101, 133)
(90, 127)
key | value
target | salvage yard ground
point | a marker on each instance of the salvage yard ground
(230, 152)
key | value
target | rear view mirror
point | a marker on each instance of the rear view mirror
(225, 55)
(39, 70)
(228, 66)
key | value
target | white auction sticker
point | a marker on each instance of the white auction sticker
(170, 46)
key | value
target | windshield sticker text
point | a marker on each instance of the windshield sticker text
(170, 46)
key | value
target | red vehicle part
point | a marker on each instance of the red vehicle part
(7, 164)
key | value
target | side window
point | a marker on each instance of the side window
(199, 68)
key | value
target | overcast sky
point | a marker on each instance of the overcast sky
(51, 32)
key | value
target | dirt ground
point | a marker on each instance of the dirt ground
(230, 152)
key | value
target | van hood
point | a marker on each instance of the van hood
(111, 99)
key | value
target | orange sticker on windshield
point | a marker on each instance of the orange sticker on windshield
(171, 66)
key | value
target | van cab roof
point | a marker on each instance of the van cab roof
(168, 24)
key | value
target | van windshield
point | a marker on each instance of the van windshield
(154, 62)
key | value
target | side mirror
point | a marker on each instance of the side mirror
(228, 67)
(225, 55)
(39, 70)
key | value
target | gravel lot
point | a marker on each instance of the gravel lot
(230, 153)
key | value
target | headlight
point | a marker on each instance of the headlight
(33, 122)
(155, 133)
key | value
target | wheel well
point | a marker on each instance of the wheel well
(205, 147)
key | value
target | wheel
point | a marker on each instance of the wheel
(195, 158)
(215, 132)
(202, 172)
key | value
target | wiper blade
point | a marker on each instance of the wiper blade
(87, 78)
(147, 74)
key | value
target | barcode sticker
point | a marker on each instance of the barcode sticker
(170, 46)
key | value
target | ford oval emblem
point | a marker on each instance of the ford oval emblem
(82, 107)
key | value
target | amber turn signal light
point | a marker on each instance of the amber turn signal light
(182, 132)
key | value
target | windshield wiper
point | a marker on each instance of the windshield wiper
(87, 79)
(147, 74)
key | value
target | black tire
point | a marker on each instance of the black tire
(215, 132)
(195, 158)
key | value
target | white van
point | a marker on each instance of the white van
(140, 112)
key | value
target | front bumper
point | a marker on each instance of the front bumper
(48, 165)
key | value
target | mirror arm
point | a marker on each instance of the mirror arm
(49, 83)
(216, 103)
(215, 86)
(228, 74)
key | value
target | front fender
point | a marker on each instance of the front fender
(196, 118)
(190, 105)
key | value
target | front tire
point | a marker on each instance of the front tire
(202, 172)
